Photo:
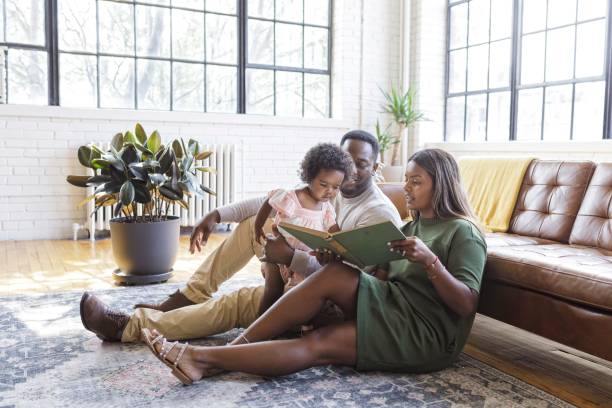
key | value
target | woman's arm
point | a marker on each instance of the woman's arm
(260, 220)
(455, 294)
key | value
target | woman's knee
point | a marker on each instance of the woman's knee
(337, 273)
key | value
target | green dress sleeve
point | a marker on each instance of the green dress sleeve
(467, 256)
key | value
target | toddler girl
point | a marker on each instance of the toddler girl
(323, 170)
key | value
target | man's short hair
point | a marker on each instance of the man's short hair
(365, 137)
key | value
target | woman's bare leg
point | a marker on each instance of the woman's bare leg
(335, 344)
(336, 282)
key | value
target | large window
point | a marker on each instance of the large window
(527, 70)
(265, 56)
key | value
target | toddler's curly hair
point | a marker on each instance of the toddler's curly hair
(325, 156)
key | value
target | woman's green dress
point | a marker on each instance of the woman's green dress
(402, 323)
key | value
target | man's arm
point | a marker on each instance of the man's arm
(241, 210)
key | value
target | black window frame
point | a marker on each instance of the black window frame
(53, 54)
(516, 87)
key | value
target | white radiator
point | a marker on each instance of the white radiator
(223, 182)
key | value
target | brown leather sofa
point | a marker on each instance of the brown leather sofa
(551, 273)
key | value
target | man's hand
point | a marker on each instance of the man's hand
(277, 250)
(201, 232)
(325, 256)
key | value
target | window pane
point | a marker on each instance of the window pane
(315, 48)
(261, 42)
(221, 89)
(458, 26)
(116, 82)
(221, 39)
(529, 114)
(77, 25)
(289, 10)
(501, 19)
(560, 54)
(478, 58)
(188, 35)
(316, 96)
(27, 77)
(261, 8)
(260, 91)
(1, 23)
(78, 80)
(476, 118)
(532, 59)
(288, 45)
(153, 31)
(590, 52)
(588, 111)
(561, 12)
(192, 4)
(188, 87)
(558, 112)
(221, 6)
(153, 84)
(160, 2)
(456, 76)
(116, 28)
(498, 125)
(534, 15)
(316, 12)
(478, 22)
(25, 21)
(499, 60)
(588, 9)
(288, 93)
(454, 119)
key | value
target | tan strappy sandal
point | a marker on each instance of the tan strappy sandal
(162, 355)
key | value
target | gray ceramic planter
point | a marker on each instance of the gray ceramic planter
(145, 251)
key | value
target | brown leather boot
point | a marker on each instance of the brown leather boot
(174, 301)
(98, 318)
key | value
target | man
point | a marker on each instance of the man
(193, 312)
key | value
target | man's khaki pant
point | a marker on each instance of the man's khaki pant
(209, 315)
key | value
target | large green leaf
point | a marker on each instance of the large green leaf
(166, 158)
(203, 155)
(129, 154)
(84, 155)
(129, 137)
(194, 147)
(100, 164)
(79, 181)
(154, 142)
(97, 180)
(147, 154)
(157, 179)
(206, 169)
(141, 135)
(170, 193)
(208, 190)
(142, 194)
(178, 149)
(117, 142)
(126, 194)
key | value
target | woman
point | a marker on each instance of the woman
(414, 316)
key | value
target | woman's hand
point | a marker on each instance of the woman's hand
(325, 256)
(413, 249)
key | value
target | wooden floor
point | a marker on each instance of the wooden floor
(51, 266)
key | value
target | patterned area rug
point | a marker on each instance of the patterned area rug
(48, 360)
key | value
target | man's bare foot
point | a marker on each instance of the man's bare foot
(174, 301)
(178, 356)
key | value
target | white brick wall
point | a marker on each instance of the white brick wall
(38, 144)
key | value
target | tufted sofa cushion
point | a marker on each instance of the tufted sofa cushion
(550, 198)
(593, 226)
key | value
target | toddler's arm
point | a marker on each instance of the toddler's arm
(260, 220)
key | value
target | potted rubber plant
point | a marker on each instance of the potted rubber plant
(400, 106)
(141, 178)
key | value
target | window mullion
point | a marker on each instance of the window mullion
(242, 55)
(52, 50)
(514, 67)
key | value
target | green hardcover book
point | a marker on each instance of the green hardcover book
(361, 247)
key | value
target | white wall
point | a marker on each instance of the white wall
(38, 144)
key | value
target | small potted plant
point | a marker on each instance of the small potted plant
(403, 113)
(140, 178)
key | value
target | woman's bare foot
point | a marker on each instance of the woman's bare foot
(189, 368)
